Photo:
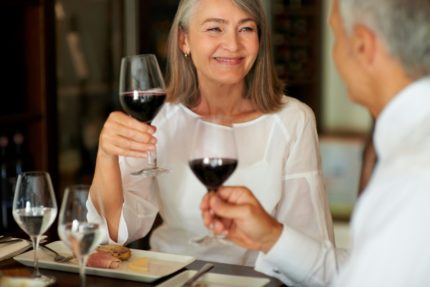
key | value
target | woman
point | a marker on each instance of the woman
(219, 64)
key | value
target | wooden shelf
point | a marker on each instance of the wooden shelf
(297, 49)
(30, 98)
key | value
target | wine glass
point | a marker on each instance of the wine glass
(81, 235)
(213, 156)
(142, 92)
(34, 209)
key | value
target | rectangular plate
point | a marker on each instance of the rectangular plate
(159, 264)
(216, 280)
(8, 250)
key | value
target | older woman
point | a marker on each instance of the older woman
(220, 63)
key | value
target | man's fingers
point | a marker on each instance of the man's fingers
(237, 195)
(227, 210)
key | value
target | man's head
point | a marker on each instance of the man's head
(380, 46)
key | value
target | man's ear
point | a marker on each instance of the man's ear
(364, 44)
(183, 41)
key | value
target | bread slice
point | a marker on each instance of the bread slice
(118, 251)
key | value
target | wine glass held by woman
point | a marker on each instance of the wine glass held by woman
(34, 209)
(219, 63)
(142, 92)
(80, 233)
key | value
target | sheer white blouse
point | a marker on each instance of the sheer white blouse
(279, 161)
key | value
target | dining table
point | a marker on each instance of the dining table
(10, 267)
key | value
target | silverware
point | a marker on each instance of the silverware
(10, 241)
(202, 271)
(57, 256)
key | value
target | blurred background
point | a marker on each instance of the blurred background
(59, 81)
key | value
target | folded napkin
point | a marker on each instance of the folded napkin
(8, 250)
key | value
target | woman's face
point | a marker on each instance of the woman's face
(222, 40)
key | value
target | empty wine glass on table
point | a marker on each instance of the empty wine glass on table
(81, 235)
(34, 209)
(213, 157)
(142, 92)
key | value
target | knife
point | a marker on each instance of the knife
(202, 271)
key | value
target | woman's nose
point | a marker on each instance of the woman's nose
(231, 41)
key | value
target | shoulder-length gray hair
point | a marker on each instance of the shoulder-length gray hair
(402, 25)
(263, 86)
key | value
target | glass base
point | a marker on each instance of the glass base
(46, 280)
(150, 172)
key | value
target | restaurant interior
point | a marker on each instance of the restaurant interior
(60, 72)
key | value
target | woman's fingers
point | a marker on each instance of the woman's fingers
(124, 135)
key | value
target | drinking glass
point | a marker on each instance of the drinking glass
(79, 233)
(213, 157)
(142, 92)
(34, 209)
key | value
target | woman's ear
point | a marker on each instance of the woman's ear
(183, 41)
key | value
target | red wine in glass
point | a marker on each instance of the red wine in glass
(142, 105)
(212, 171)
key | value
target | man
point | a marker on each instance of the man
(382, 51)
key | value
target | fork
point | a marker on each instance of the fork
(57, 256)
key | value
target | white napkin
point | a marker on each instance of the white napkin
(8, 250)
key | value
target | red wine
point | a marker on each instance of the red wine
(212, 172)
(142, 105)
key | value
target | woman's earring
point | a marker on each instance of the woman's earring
(186, 54)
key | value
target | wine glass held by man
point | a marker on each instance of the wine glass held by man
(382, 54)
(213, 157)
(34, 208)
(219, 63)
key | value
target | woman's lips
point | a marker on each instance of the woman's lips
(229, 60)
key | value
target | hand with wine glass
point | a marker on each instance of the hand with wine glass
(213, 157)
(34, 209)
(142, 92)
(81, 235)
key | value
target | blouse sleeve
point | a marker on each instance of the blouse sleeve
(140, 205)
(303, 209)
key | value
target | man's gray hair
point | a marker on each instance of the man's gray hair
(402, 25)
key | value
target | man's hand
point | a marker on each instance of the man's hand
(236, 213)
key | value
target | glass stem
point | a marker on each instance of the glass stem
(35, 242)
(211, 233)
(152, 159)
(82, 264)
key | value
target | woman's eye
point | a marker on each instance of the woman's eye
(247, 29)
(214, 29)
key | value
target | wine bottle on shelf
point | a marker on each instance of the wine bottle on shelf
(20, 162)
(13, 163)
(4, 186)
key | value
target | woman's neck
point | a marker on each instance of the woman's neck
(227, 100)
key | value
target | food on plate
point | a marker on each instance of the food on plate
(103, 260)
(121, 252)
(108, 256)
(139, 265)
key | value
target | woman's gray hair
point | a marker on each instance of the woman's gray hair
(403, 26)
(263, 87)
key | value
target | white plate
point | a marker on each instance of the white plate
(216, 280)
(159, 264)
(8, 250)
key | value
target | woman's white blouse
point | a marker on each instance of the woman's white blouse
(279, 161)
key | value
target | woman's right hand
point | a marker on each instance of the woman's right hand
(123, 135)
